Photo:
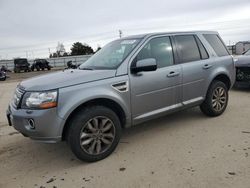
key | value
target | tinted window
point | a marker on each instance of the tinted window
(159, 49)
(187, 48)
(203, 52)
(216, 44)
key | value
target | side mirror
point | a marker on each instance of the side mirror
(144, 65)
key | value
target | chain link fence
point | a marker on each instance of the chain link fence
(54, 62)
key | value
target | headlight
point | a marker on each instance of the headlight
(39, 100)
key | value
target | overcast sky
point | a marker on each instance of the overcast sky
(28, 26)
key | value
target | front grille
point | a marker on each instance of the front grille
(18, 96)
(243, 74)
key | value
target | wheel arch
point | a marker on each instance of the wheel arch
(223, 78)
(109, 103)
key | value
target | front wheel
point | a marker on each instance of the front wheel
(216, 99)
(94, 133)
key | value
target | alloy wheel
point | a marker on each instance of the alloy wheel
(219, 99)
(97, 135)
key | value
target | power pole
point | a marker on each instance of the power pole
(120, 33)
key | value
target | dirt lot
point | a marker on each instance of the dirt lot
(185, 149)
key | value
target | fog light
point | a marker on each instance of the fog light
(31, 123)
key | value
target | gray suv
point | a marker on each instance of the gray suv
(129, 81)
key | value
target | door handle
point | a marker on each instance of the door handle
(173, 74)
(207, 66)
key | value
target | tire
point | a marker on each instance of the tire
(87, 122)
(3, 78)
(216, 99)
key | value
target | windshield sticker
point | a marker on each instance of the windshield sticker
(128, 42)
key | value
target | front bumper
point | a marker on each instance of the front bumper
(48, 125)
(243, 76)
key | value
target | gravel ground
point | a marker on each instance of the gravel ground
(185, 149)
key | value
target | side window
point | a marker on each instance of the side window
(187, 48)
(203, 52)
(216, 44)
(159, 49)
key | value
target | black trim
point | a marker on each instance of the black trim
(175, 50)
(197, 39)
(8, 118)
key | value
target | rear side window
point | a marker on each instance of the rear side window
(216, 43)
(187, 48)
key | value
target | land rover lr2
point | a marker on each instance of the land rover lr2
(129, 81)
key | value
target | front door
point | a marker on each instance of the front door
(156, 92)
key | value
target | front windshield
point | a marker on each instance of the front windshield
(247, 52)
(112, 55)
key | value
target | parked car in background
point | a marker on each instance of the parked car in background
(129, 81)
(40, 64)
(3, 75)
(70, 65)
(21, 64)
(242, 65)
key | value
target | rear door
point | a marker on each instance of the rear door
(153, 93)
(195, 63)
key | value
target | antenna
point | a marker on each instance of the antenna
(120, 33)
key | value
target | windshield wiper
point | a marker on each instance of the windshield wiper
(86, 68)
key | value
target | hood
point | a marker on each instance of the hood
(242, 61)
(65, 78)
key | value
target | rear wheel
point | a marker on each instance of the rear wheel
(216, 99)
(94, 133)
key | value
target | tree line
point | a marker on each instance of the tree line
(77, 49)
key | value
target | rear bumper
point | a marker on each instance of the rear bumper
(243, 74)
(47, 124)
(242, 84)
